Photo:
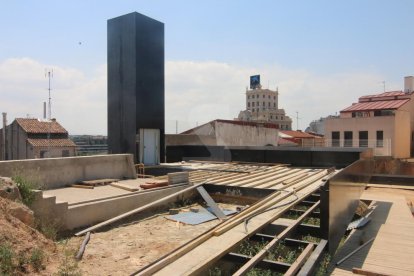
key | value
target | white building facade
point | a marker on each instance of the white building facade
(262, 106)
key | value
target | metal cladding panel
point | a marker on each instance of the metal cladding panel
(135, 81)
(339, 206)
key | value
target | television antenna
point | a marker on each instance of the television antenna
(297, 120)
(49, 75)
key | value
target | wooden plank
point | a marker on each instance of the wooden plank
(262, 253)
(295, 179)
(99, 181)
(137, 210)
(278, 180)
(266, 175)
(237, 219)
(123, 187)
(211, 203)
(81, 186)
(198, 258)
(296, 265)
(360, 271)
(312, 261)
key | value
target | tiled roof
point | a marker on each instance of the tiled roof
(297, 134)
(285, 142)
(377, 105)
(51, 142)
(36, 126)
(385, 94)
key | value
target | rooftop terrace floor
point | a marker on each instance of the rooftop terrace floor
(392, 226)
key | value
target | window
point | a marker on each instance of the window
(274, 98)
(253, 104)
(274, 104)
(277, 117)
(348, 139)
(380, 138)
(257, 96)
(65, 153)
(269, 96)
(264, 104)
(269, 104)
(253, 109)
(252, 96)
(271, 116)
(264, 96)
(363, 139)
(248, 104)
(258, 104)
(335, 138)
(281, 117)
(248, 97)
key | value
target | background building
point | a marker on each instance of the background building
(262, 106)
(90, 144)
(32, 138)
(384, 122)
(299, 138)
(228, 133)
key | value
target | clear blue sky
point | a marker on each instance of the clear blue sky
(321, 39)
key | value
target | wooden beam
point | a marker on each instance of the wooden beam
(262, 253)
(312, 261)
(297, 264)
(137, 210)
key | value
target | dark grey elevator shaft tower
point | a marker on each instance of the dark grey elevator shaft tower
(136, 87)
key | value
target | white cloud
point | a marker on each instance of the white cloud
(196, 92)
(78, 103)
(201, 91)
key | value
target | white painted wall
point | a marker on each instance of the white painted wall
(244, 135)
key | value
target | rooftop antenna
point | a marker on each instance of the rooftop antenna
(297, 120)
(49, 75)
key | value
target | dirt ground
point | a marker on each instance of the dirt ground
(123, 250)
(22, 240)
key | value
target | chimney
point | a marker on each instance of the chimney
(3, 142)
(408, 84)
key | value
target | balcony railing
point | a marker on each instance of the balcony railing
(380, 147)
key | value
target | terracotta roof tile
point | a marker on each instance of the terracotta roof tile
(297, 134)
(385, 94)
(36, 126)
(377, 105)
(51, 142)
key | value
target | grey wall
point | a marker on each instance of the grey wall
(52, 173)
(135, 81)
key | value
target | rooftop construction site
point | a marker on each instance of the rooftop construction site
(224, 218)
(228, 197)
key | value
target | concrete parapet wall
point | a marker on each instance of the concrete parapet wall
(52, 173)
(98, 211)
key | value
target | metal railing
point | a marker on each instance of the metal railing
(380, 147)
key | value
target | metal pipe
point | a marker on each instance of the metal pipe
(353, 252)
